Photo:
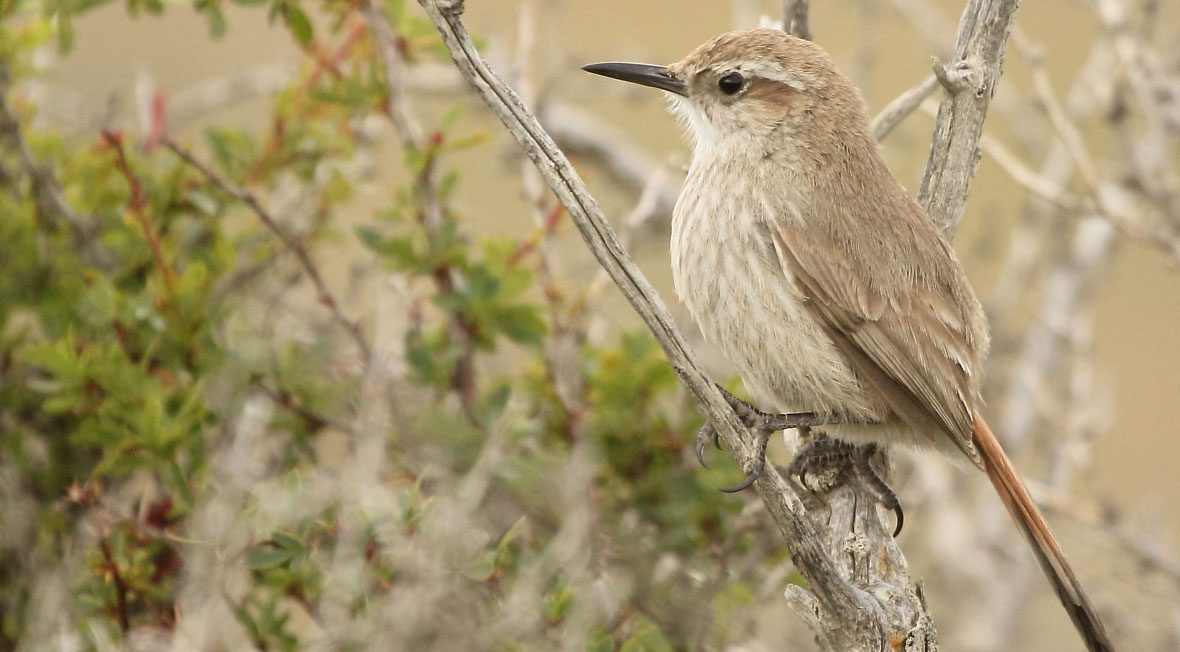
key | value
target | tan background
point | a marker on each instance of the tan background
(1138, 301)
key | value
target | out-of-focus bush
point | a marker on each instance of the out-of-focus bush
(200, 447)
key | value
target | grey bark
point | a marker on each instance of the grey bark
(969, 82)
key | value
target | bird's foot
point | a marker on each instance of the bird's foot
(824, 463)
(761, 424)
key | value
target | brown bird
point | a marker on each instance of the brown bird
(804, 260)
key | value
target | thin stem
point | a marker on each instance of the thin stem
(291, 243)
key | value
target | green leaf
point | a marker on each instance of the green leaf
(478, 569)
(194, 280)
(65, 32)
(446, 185)
(284, 540)
(263, 557)
(233, 149)
(451, 117)
(466, 142)
(498, 399)
(602, 642)
(558, 603)
(414, 158)
(521, 324)
(645, 636)
(179, 482)
(100, 303)
(420, 359)
(512, 534)
(298, 23)
(370, 238)
(203, 202)
(217, 24)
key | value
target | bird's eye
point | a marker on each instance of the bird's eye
(731, 83)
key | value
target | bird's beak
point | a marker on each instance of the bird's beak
(640, 73)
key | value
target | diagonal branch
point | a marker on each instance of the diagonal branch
(900, 108)
(290, 242)
(866, 616)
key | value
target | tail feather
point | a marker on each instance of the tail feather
(1034, 528)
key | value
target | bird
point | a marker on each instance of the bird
(831, 290)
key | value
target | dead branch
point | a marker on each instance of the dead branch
(969, 81)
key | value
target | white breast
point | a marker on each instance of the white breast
(727, 273)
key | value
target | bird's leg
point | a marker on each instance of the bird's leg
(876, 484)
(826, 460)
(830, 462)
(761, 424)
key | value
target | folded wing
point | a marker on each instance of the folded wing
(906, 340)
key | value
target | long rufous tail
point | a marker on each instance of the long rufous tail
(1032, 524)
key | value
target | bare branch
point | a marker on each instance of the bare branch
(1032, 181)
(397, 104)
(137, 207)
(1036, 183)
(1134, 544)
(929, 20)
(970, 80)
(1071, 138)
(561, 342)
(581, 133)
(795, 18)
(901, 107)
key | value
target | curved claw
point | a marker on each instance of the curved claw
(700, 448)
(749, 479)
(900, 519)
(704, 436)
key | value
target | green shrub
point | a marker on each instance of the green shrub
(194, 427)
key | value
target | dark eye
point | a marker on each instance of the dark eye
(731, 83)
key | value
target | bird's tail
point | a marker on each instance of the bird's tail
(1032, 524)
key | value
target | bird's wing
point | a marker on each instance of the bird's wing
(908, 343)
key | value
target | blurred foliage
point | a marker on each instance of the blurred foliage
(132, 347)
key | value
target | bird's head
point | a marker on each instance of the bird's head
(756, 90)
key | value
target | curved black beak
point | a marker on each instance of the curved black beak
(640, 73)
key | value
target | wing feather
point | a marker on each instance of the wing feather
(909, 342)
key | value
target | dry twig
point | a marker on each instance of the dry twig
(901, 107)
(970, 80)
(290, 242)
(795, 18)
